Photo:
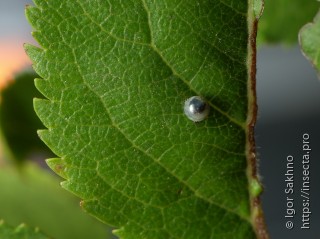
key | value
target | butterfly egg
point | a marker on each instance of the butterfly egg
(196, 108)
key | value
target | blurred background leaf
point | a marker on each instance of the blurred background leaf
(20, 232)
(309, 38)
(33, 196)
(18, 120)
(282, 20)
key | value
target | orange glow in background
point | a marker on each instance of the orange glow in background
(12, 59)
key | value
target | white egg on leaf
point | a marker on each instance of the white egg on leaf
(196, 108)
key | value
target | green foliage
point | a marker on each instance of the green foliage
(309, 38)
(30, 194)
(18, 120)
(282, 20)
(258, 7)
(116, 75)
(20, 232)
(34, 197)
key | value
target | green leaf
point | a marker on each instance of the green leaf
(116, 75)
(309, 39)
(34, 197)
(258, 7)
(282, 19)
(30, 194)
(20, 232)
(18, 120)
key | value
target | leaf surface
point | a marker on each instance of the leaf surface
(116, 75)
(309, 39)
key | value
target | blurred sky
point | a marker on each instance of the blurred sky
(15, 31)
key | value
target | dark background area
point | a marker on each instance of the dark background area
(289, 105)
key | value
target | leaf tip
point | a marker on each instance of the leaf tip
(65, 185)
(42, 133)
(29, 13)
(118, 232)
(40, 106)
(33, 52)
(27, 46)
(58, 166)
(37, 101)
